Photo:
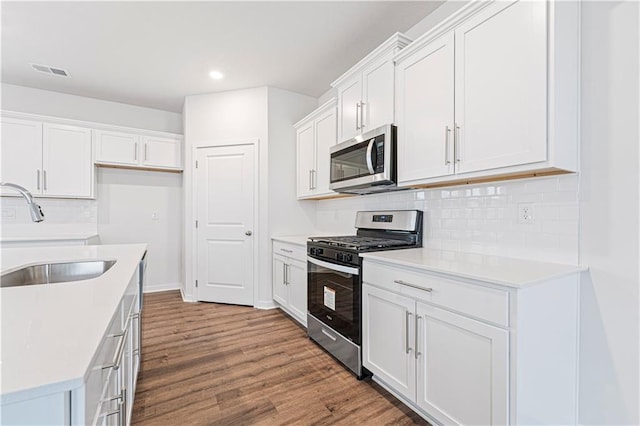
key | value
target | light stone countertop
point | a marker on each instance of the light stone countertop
(510, 272)
(51, 332)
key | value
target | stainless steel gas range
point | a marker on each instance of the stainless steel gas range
(334, 283)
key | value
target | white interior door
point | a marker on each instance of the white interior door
(225, 215)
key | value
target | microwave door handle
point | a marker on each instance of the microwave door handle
(333, 266)
(369, 161)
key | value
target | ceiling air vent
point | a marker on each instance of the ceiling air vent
(50, 70)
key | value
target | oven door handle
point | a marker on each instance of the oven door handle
(334, 267)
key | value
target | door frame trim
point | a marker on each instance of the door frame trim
(190, 293)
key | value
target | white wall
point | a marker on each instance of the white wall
(266, 114)
(287, 215)
(112, 214)
(55, 104)
(214, 119)
(127, 203)
(609, 214)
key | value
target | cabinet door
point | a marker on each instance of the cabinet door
(21, 147)
(305, 159)
(117, 148)
(461, 360)
(424, 106)
(280, 291)
(388, 340)
(67, 166)
(325, 135)
(501, 86)
(349, 97)
(161, 152)
(377, 95)
(297, 279)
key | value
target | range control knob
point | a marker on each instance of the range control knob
(340, 256)
(349, 258)
(313, 250)
(319, 251)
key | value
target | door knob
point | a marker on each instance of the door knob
(248, 233)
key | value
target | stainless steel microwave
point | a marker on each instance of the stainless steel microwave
(366, 163)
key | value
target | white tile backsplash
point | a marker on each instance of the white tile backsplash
(481, 218)
(61, 216)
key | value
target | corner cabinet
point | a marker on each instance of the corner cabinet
(50, 160)
(130, 150)
(464, 352)
(491, 91)
(365, 92)
(315, 134)
(290, 279)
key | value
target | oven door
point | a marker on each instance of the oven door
(333, 293)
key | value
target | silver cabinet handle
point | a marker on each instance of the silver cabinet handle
(286, 250)
(284, 273)
(427, 289)
(146, 149)
(287, 266)
(447, 132)
(135, 151)
(310, 179)
(38, 179)
(417, 351)
(357, 115)
(457, 143)
(361, 115)
(44, 180)
(407, 348)
(117, 359)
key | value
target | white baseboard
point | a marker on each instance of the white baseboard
(154, 288)
(265, 304)
(185, 298)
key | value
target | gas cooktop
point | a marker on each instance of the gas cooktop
(360, 243)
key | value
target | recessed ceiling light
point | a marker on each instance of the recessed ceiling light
(216, 75)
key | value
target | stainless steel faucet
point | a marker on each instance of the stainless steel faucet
(34, 208)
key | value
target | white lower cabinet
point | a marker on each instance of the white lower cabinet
(436, 359)
(107, 394)
(460, 352)
(290, 279)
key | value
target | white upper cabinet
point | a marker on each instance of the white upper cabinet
(135, 151)
(161, 152)
(116, 147)
(22, 154)
(66, 159)
(425, 111)
(490, 92)
(50, 160)
(365, 92)
(315, 135)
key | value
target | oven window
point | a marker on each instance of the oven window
(333, 298)
(350, 163)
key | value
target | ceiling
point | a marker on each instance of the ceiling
(153, 54)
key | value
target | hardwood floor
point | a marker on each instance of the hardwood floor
(206, 363)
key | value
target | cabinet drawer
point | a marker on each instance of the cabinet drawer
(97, 375)
(477, 301)
(290, 250)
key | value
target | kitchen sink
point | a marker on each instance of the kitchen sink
(51, 273)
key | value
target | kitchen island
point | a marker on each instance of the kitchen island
(58, 340)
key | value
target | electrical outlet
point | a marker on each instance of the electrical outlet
(155, 216)
(526, 214)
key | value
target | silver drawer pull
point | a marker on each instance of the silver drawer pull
(285, 250)
(117, 359)
(427, 289)
(326, 333)
(406, 333)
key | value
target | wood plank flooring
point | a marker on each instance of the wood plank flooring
(206, 363)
